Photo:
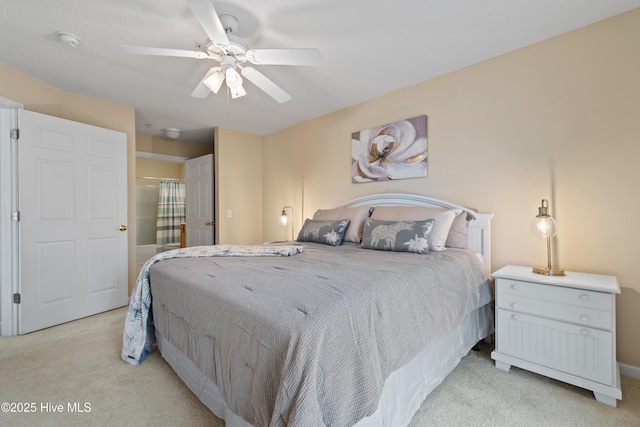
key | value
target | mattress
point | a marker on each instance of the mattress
(311, 339)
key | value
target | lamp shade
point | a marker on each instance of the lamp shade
(237, 92)
(233, 78)
(214, 81)
(284, 219)
(543, 226)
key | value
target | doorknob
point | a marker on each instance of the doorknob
(123, 228)
(207, 223)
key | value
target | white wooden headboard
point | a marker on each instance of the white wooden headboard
(479, 236)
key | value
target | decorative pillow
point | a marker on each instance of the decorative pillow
(458, 234)
(356, 216)
(443, 220)
(327, 232)
(397, 236)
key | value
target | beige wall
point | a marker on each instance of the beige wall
(157, 169)
(173, 147)
(238, 187)
(40, 97)
(555, 120)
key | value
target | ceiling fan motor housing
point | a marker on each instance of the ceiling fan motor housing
(236, 46)
(229, 23)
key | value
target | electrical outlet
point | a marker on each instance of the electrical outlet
(229, 213)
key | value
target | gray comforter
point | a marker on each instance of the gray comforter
(309, 340)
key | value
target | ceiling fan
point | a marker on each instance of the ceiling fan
(232, 53)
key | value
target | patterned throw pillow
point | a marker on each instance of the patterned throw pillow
(356, 216)
(443, 218)
(327, 232)
(398, 236)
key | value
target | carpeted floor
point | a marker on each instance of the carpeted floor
(77, 365)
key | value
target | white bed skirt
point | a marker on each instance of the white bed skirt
(402, 393)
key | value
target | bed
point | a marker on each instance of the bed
(354, 333)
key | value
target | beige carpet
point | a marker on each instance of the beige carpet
(79, 362)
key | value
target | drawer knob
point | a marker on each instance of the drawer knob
(584, 318)
(514, 305)
(515, 316)
(514, 287)
(584, 332)
(584, 297)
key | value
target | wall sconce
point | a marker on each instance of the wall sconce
(543, 225)
(284, 219)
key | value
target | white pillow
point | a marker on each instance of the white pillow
(443, 217)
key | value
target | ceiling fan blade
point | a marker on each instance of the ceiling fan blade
(202, 91)
(270, 88)
(284, 56)
(206, 14)
(159, 51)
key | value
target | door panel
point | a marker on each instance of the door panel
(73, 198)
(54, 185)
(55, 259)
(103, 265)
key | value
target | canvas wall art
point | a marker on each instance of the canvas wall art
(394, 151)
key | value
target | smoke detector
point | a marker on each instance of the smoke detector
(172, 133)
(68, 38)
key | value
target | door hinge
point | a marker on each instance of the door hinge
(15, 216)
(15, 133)
(16, 298)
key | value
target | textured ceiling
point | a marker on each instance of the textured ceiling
(369, 48)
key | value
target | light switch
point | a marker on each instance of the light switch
(229, 213)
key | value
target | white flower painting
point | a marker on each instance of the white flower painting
(394, 151)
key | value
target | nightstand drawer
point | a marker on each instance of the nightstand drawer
(556, 310)
(576, 350)
(578, 297)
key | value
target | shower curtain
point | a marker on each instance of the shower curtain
(171, 212)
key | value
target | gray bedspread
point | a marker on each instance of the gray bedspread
(309, 340)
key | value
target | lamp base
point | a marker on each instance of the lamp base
(548, 271)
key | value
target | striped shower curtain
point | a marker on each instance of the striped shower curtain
(171, 212)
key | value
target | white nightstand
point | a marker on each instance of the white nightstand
(562, 327)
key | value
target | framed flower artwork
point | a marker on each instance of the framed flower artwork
(394, 151)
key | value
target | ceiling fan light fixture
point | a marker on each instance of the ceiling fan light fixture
(214, 81)
(237, 92)
(233, 78)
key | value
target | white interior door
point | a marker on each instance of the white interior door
(199, 182)
(73, 201)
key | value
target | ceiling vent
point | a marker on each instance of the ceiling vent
(68, 39)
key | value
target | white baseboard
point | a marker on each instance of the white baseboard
(629, 370)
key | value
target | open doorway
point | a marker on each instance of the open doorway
(174, 203)
(160, 191)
